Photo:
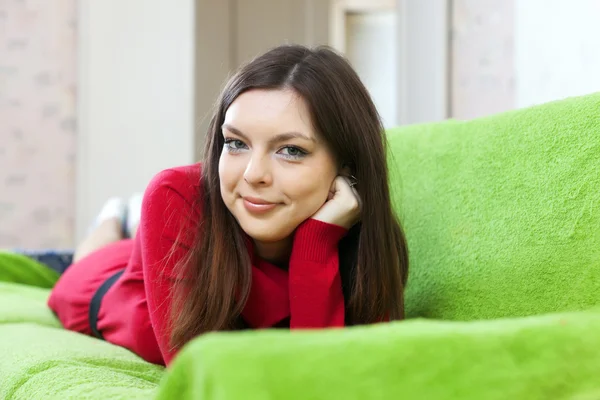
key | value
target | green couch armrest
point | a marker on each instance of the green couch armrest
(553, 356)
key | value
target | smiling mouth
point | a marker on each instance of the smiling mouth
(258, 206)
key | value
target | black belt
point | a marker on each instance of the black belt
(97, 301)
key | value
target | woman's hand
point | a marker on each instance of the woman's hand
(343, 205)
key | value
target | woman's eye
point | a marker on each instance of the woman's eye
(234, 144)
(292, 152)
(237, 144)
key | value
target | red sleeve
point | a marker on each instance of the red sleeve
(168, 217)
(316, 297)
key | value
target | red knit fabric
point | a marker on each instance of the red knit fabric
(135, 311)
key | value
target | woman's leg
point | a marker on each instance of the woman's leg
(108, 228)
(108, 231)
(72, 295)
(100, 256)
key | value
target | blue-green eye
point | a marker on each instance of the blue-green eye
(292, 152)
(234, 145)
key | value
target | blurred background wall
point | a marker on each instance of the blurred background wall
(38, 123)
(98, 96)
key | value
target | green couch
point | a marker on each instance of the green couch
(502, 216)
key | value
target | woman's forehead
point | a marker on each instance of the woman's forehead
(281, 110)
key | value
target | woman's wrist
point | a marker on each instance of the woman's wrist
(315, 240)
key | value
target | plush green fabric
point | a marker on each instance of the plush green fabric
(41, 360)
(502, 214)
(540, 357)
(18, 268)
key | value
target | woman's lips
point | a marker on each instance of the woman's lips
(257, 206)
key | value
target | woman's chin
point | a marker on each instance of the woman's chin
(266, 237)
(267, 233)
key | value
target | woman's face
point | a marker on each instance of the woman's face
(275, 171)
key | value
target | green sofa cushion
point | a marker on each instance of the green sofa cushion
(502, 214)
(539, 357)
(41, 360)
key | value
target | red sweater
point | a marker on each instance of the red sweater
(309, 293)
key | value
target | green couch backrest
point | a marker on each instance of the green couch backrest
(502, 214)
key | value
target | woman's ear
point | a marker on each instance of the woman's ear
(345, 170)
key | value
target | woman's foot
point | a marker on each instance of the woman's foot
(134, 214)
(113, 208)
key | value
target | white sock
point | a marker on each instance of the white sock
(114, 207)
(134, 212)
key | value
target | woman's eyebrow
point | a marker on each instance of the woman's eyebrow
(282, 137)
(234, 130)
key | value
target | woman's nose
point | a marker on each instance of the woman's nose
(258, 171)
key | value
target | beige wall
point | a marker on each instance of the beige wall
(136, 103)
(422, 60)
(371, 48)
(37, 123)
(557, 50)
(514, 54)
(261, 24)
(482, 74)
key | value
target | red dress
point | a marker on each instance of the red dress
(134, 311)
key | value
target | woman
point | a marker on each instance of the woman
(287, 222)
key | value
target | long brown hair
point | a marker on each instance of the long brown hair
(216, 277)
